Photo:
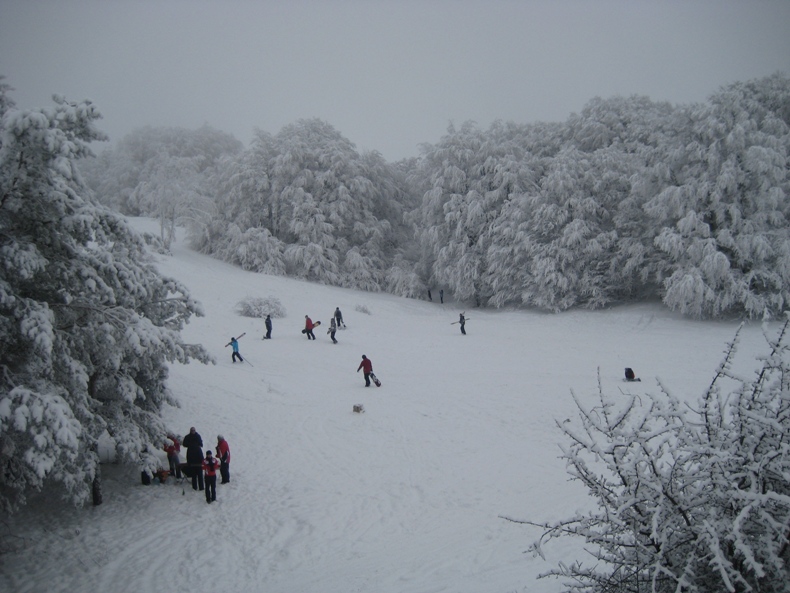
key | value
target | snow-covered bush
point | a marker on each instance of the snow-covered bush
(362, 309)
(690, 498)
(260, 307)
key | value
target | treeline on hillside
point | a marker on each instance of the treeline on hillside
(628, 200)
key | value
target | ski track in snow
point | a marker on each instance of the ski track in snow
(405, 497)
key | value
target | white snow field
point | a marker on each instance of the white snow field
(407, 497)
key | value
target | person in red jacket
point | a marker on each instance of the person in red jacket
(367, 368)
(210, 465)
(223, 452)
(173, 448)
(308, 328)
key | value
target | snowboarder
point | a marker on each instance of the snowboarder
(332, 329)
(172, 448)
(367, 369)
(194, 446)
(234, 343)
(441, 296)
(268, 335)
(339, 318)
(223, 452)
(308, 328)
(462, 321)
(210, 465)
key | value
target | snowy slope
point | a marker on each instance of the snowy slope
(406, 497)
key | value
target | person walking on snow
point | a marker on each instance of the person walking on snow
(268, 335)
(462, 321)
(339, 318)
(332, 329)
(172, 448)
(441, 296)
(234, 343)
(194, 447)
(223, 452)
(210, 465)
(367, 369)
(308, 328)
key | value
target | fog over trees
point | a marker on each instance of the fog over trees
(627, 200)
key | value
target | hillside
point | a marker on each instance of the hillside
(406, 497)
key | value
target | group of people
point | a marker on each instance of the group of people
(201, 468)
(335, 323)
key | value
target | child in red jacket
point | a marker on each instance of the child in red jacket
(210, 466)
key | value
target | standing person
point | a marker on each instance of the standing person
(462, 321)
(194, 445)
(268, 335)
(234, 343)
(339, 318)
(210, 465)
(223, 452)
(332, 329)
(441, 296)
(308, 328)
(367, 368)
(173, 448)
(430, 298)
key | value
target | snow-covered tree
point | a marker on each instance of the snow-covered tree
(329, 206)
(690, 498)
(117, 175)
(87, 327)
(724, 211)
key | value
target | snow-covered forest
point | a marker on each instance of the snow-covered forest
(629, 200)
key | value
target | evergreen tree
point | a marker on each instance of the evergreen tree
(87, 326)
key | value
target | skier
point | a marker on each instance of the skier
(223, 452)
(339, 318)
(234, 343)
(332, 329)
(462, 321)
(308, 328)
(367, 368)
(172, 448)
(268, 335)
(194, 446)
(210, 465)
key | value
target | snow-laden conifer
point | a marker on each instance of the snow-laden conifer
(88, 327)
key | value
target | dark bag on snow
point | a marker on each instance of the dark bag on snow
(629, 374)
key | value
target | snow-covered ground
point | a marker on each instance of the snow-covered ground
(405, 497)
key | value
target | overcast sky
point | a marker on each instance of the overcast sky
(388, 74)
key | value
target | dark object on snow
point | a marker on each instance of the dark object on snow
(630, 376)
(145, 478)
(359, 408)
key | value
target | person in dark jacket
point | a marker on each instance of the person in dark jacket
(194, 446)
(462, 321)
(223, 453)
(339, 318)
(268, 335)
(367, 368)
